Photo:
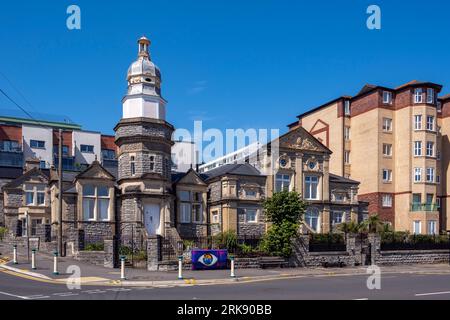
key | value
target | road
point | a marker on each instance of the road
(394, 286)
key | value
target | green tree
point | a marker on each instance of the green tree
(285, 211)
(374, 224)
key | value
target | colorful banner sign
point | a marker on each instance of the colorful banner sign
(209, 259)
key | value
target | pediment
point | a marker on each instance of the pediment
(191, 177)
(33, 176)
(95, 171)
(301, 140)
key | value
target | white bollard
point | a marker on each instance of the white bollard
(232, 275)
(15, 254)
(180, 268)
(122, 268)
(33, 259)
(55, 263)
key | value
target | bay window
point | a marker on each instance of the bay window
(430, 123)
(418, 122)
(417, 148)
(418, 95)
(430, 95)
(251, 215)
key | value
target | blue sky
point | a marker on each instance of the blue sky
(232, 64)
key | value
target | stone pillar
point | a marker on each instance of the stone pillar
(109, 253)
(326, 180)
(353, 244)
(354, 214)
(375, 247)
(153, 252)
(326, 220)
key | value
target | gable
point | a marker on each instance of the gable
(95, 171)
(300, 139)
(191, 177)
(35, 176)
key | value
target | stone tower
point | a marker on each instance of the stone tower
(144, 139)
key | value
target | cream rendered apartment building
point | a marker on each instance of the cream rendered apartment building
(396, 143)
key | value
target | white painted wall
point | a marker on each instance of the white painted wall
(88, 138)
(144, 106)
(38, 133)
(184, 155)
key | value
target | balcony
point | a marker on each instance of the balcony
(424, 207)
(68, 163)
(11, 158)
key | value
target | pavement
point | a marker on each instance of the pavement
(91, 275)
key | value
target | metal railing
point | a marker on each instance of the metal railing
(11, 158)
(327, 243)
(416, 242)
(428, 207)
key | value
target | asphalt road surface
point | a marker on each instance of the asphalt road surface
(393, 286)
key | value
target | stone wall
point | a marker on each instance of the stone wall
(192, 230)
(249, 228)
(97, 231)
(92, 257)
(412, 257)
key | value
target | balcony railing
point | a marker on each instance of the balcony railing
(428, 207)
(11, 158)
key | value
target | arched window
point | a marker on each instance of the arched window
(312, 218)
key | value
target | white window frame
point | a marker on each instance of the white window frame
(417, 175)
(284, 179)
(430, 96)
(347, 157)
(387, 149)
(33, 189)
(194, 212)
(389, 175)
(386, 201)
(339, 213)
(310, 182)
(432, 227)
(387, 97)
(347, 133)
(417, 148)
(430, 173)
(96, 197)
(418, 122)
(255, 215)
(431, 123)
(418, 95)
(347, 107)
(430, 149)
(387, 124)
(419, 224)
(185, 212)
(215, 217)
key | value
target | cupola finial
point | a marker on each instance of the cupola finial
(144, 45)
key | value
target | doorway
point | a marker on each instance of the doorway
(152, 218)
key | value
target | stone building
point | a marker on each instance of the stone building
(141, 198)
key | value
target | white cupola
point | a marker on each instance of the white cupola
(143, 99)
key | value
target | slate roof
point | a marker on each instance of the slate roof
(339, 179)
(10, 172)
(234, 169)
(177, 176)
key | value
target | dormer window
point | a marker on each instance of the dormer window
(418, 95)
(347, 107)
(387, 97)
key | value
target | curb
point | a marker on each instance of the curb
(28, 273)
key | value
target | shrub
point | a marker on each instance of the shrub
(226, 240)
(141, 255)
(246, 249)
(278, 240)
(125, 251)
(327, 238)
(3, 232)
(188, 244)
(94, 247)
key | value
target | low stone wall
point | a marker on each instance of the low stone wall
(246, 263)
(412, 257)
(93, 257)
